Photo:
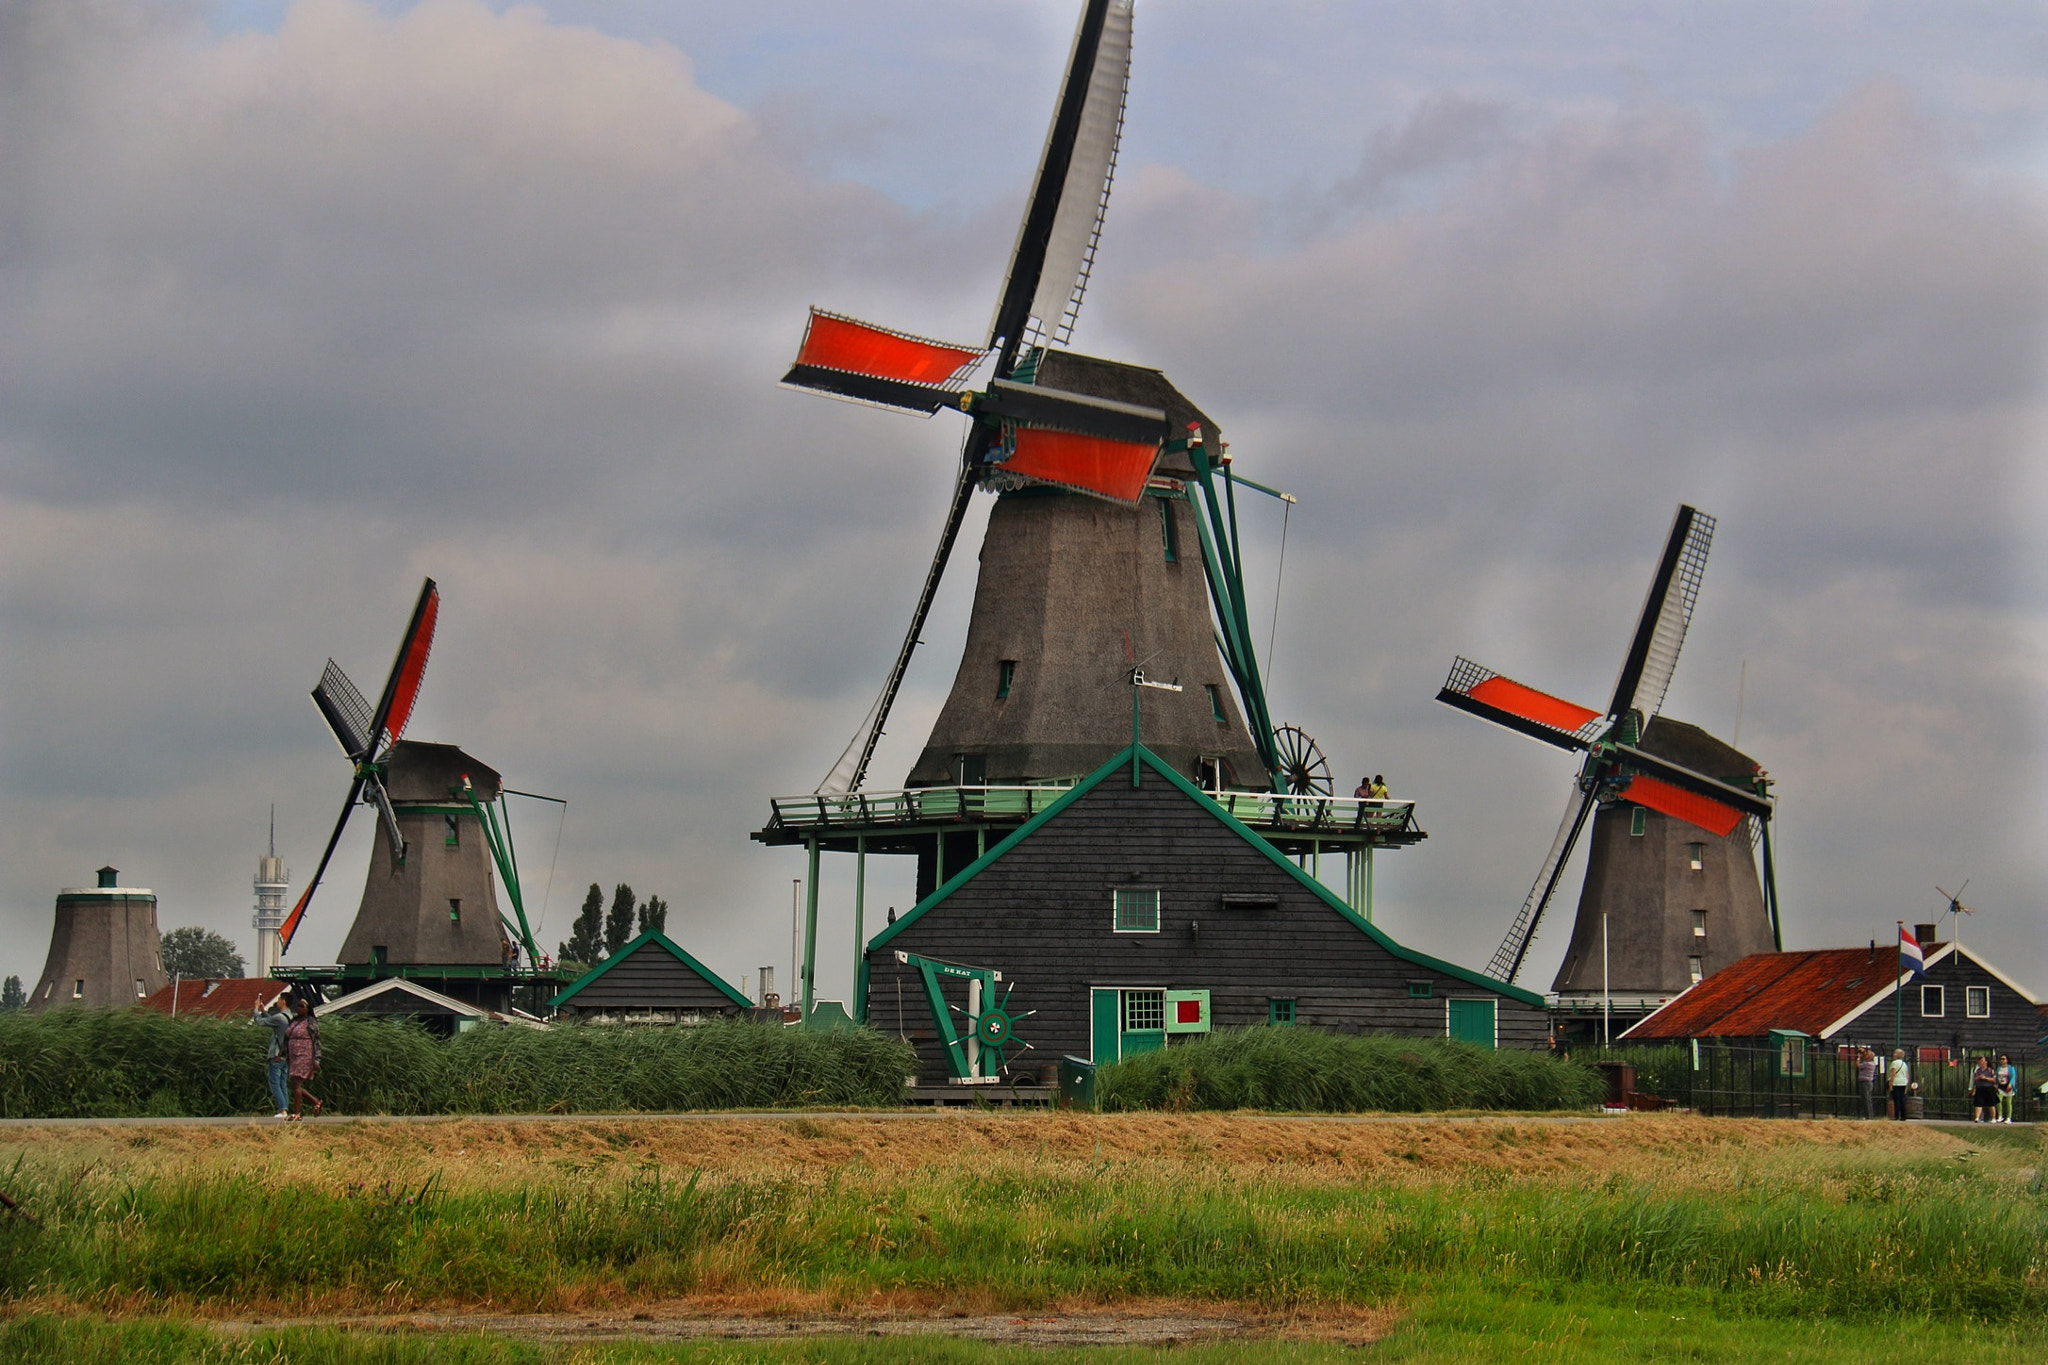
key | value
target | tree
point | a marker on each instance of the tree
(653, 914)
(11, 995)
(193, 951)
(618, 925)
(585, 943)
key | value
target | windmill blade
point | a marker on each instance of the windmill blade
(851, 769)
(402, 688)
(1479, 690)
(844, 357)
(1063, 218)
(381, 799)
(1737, 801)
(290, 926)
(1667, 612)
(1665, 798)
(1507, 959)
(345, 711)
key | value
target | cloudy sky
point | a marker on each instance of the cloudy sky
(302, 302)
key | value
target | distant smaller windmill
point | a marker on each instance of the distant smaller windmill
(429, 901)
(1620, 765)
(1956, 907)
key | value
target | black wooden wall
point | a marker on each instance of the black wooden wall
(649, 978)
(2014, 1026)
(1042, 915)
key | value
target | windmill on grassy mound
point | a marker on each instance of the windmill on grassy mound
(430, 905)
(1671, 890)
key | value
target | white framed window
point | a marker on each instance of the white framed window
(1696, 856)
(1933, 1002)
(1699, 924)
(1144, 1011)
(1977, 1002)
(1695, 967)
(78, 989)
(140, 993)
(1136, 911)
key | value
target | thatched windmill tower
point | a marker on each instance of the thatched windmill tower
(104, 948)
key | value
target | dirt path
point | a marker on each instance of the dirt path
(1143, 1325)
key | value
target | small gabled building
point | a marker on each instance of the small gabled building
(1842, 997)
(650, 981)
(441, 1015)
(1135, 910)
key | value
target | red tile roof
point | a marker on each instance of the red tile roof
(214, 997)
(1802, 991)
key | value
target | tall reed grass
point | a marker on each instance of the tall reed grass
(1311, 1070)
(1024, 1233)
(112, 1063)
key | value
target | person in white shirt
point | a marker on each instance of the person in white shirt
(1901, 1079)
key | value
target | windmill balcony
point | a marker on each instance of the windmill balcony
(895, 821)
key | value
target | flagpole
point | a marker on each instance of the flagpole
(1898, 987)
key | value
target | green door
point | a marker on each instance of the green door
(1103, 1026)
(1471, 1021)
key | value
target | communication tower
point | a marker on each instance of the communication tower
(271, 888)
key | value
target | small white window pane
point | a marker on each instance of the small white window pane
(1977, 1000)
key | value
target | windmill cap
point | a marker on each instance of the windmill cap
(109, 877)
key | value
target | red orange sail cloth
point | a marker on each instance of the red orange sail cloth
(1517, 700)
(833, 342)
(1680, 804)
(1091, 464)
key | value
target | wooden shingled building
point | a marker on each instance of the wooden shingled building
(1135, 908)
(649, 980)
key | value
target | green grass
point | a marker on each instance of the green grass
(1928, 1238)
(114, 1063)
(1311, 1070)
(1456, 1325)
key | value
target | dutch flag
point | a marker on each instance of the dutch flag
(1910, 956)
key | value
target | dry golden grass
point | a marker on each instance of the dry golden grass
(1674, 1151)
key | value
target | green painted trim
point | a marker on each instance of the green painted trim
(1138, 753)
(664, 941)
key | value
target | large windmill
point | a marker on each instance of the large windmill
(1671, 891)
(1110, 595)
(1074, 566)
(430, 906)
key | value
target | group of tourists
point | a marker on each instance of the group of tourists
(294, 1053)
(1991, 1087)
(1372, 788)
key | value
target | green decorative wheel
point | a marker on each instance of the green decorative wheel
(995, 1029)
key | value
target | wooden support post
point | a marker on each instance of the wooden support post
(1368, 883)
(860, 946)
(811, 928)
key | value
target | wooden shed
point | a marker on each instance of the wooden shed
(649, 981)
(1135, 892)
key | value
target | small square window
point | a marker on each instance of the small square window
(451, 834)
(1279, 1011)
(1932, 1002)
(1699, 924)
(1006, 673)
(1137, 911)
(1695, 968)
(1421, 990)
(1144, 1011)
(1216, 703)
(1977, 1002)
(1638, 822)
(1696, 855)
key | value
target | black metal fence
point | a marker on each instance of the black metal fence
(1808, 1080)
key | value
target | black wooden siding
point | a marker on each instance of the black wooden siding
(2014, 1027)
(1041, 915)
(649, 978)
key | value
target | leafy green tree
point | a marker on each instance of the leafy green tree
(654, 915)
(618, 924)
(586, 943)
(12, 997)
(193, 951)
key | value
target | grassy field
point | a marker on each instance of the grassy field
(1639, 1238)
